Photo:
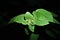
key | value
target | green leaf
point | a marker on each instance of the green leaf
(31, 27)
(41, 22)
(18, 19)
(42, 14)
(28, 15)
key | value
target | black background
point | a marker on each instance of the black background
(10, 8)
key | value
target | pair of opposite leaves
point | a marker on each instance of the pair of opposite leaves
(39, 17)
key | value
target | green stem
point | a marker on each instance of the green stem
(34, 36)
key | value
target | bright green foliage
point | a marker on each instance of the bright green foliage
(28, 18)
(31, 27)
(42, 14)
(41, 22)
(18, 19)
(28, 15)
(39, 17)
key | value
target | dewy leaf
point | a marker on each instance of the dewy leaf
(18, 19)
(31, 27)
(42, 14)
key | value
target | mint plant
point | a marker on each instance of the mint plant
(39, 17)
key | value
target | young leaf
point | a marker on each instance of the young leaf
(28, 15)
(31, 27)
(18, 19)
(43, 14)
(29, 18)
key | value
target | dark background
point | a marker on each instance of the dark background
(10, 8)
